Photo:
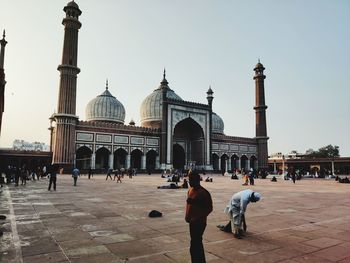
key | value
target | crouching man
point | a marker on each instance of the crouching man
(236, 211)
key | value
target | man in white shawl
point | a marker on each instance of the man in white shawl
(236, 209)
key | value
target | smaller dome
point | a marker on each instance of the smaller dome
(217, 124)
(132, 123)
(105, 107)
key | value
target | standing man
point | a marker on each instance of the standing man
(236, 211)
(53, 177)
(199, 206)
(75, 174)
(90, 173)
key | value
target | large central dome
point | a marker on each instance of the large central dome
(105, 107)
(151, 107)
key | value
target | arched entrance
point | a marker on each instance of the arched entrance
(253, 162)
(191, 134)
(224, 163)
(151, 160)
(215, 159)
(102, 156)
(244, 162)
(119, 159)
(179, 157)
(234, 159)
(83, 158)
(135, 161)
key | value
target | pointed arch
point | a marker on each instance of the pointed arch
(83, 157)
(102, 157)
(119, 158)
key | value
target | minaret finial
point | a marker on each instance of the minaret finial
(3, 34)
(258, 60)
(164, 73)
(106, 84)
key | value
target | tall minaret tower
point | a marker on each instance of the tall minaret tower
(164, 126)
(260, 116)
(65, 118)
(3, 43)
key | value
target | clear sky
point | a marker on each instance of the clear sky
(304, 46)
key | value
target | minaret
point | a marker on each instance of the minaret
(64, 148)
(210, 103)
(164, 126)
(260, 116)
(3, 43)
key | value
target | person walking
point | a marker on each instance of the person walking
(109, 172)
(90, 173)
(198, 206)
(292, 173)
(236, 211)
(17, 172)
(23, 176)
(53, 177)
(75, 174)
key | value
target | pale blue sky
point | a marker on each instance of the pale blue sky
(304, 45)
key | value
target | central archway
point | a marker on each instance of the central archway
(179, 157)
(191, 134)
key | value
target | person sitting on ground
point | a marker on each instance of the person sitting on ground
(171, 186)
(234, 176)
(344, 180)
(208, 179)
(236, 211)
(274, 179)
(184, 184)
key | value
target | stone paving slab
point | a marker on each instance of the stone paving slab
(102, 221)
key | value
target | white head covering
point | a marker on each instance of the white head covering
(257, 196)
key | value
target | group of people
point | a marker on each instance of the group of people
(119, 173)
(21, 174)
(199, 205)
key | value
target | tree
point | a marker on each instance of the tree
(328, 151)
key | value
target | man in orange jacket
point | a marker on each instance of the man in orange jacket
(199, 206)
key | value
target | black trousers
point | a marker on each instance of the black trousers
(52, 181)
(75, 180)
(197, 249)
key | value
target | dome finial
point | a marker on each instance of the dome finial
(164, 81)
(106, 84)
(3, 34)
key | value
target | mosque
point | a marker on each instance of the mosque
(174, 133)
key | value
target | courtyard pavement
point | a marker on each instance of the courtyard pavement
(102, 221)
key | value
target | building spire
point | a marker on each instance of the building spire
(164, 81)
(106, 84)
(3, 34)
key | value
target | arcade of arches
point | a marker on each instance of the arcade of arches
(103, 159)
(226, 163)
